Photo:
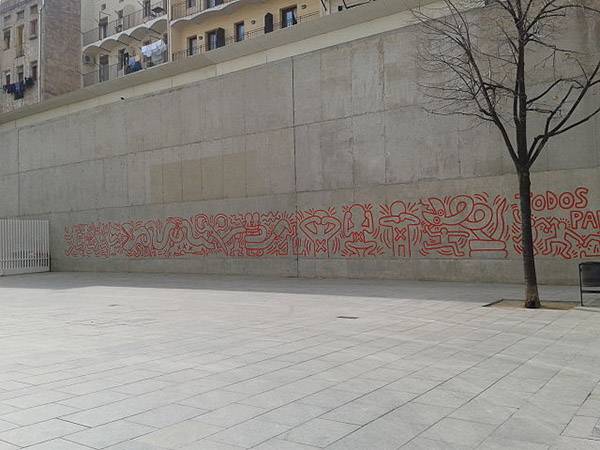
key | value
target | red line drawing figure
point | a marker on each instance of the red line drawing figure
(452, 226)
(321, 231)
(175, 237)
(272, 234)
(557, 236)
(465, 225)
(590, 247)
(225, 232)
(445, 242)
(400, 227)
(101, 240)
(359, 230)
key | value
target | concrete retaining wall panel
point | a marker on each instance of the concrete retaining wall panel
(325, 164)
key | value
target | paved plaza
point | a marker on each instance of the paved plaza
(150, 362)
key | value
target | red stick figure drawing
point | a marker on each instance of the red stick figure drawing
(359, 230)
(321, 230)
(400, 228)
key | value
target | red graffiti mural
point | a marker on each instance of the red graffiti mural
(562, 226)
(465, 226)
(460, 226)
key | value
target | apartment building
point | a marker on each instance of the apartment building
(39, 57)
(124, 36)
(200, 26)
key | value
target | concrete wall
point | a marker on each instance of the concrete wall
(323, 164)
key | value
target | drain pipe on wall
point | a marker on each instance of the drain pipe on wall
(40, 64)
(169, 31)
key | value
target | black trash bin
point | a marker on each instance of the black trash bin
(589, 279)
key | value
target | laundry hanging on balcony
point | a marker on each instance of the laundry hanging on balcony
(133, 65)
(18, 89)
(155, 51)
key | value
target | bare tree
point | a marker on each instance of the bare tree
(501, 62)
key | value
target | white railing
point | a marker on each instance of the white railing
(24, 246)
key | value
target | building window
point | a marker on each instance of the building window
(6, 19)
(240, 31)
(33, 71)
(147, 8)
(121, 58)
(288, 17)
(33, 11)
(213, 3)
(20, 15)
(20, 74)
(19, 43)
(103, 28)
(215, 39)
(211, 40)
(192, 47)
(191, 3)
(268, 23)
(7, 39)
(119, 25)
(7, 78)
(33, 29)
(103, 68)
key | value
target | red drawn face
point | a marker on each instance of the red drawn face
(358, 220)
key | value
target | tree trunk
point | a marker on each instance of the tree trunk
(532, 298)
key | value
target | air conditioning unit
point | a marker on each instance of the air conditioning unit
(88, 60)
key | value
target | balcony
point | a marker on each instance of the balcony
(104, 73)
(149, 13)
(232, 40)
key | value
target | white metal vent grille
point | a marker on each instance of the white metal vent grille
(24, 246)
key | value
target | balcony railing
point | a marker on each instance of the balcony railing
(105, 72)
(230, 40)
(149, 12)
(183, 8)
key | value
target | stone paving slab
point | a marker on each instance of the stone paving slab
(164, 362)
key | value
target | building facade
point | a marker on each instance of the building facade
(125, 36)
(121, 37)
(39, 57)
